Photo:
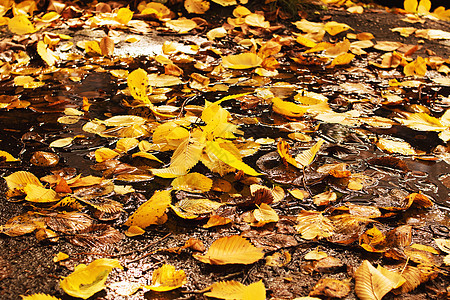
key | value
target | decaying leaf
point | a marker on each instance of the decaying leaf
(85, 281)
(312, 225)
(236, 290)
(192, 208)
(231, 250)
(166, 278)
(370, 283)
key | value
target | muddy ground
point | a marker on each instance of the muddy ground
(26, 265)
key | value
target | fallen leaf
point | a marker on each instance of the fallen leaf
(242, 61)
(85, 281)
(312, 225)
(151, 212)
(20, 24)
(166, 278)
(236, 290)
(231, 250)
(39, 296)
(196, 6)
(370, 283)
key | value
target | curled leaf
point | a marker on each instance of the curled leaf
(166, 278)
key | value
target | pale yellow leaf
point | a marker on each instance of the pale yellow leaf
(60, 143)
(126, 144)
(236, 290)
(231, 250)
(20, 179)
(103, 154)
(191, 208)
(37, 193)
(85, 281)
(370, 283)
(46, 54)
(392, 146)
(225, 2)
(312, 225)
(443, 244)
(21, 25)
(305, 158)
(181, 25)
(242, 61)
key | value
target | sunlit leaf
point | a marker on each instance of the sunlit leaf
(152, 211)
(139, 85)
(181, 25)
(342, 59)
(334, 28)
(7, 157)
(60, 143)
(192, 182)
(417, 67)
(242, 61)
(21, 25)
(225, 2)
(373, 240)
(103, 154)
(37, 193)
(166, 278)
(231, 250)
(191, 208)
(287, 108)
(228, 158)
(146, 155)
(422, 122)
(306, 157)
(370, 283)
(315, 255)
(85, 281)
(46, 53)
(196, 6)
(216, 220)
(263, 215)
(124, 15)
(126, 144)
(39, 296)
(256, 20)
(443, 244)
(236, 290)
(215, 33)
(60, 257)
(20, 179)
(312, 224)
(410, 5)
(283, 150)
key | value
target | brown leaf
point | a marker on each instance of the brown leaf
(332, 288)
(96, 235)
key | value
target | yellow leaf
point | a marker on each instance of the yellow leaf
(443, 244)
(392, 146)
(218, 32)
(305, 158)
(146, 155)
(126, 144)
(85, 281)
(139, 85)
(410, 5)
(228, 158)
(256, 20)
(286, 108)
(246, 60)
(225, 2)
(417, 67)
(422, 122)
(124, 15)
(46, 54)
(264, 214)
(315, 255)
(50, 16)
(236, 290)
(134, 231)
(424, 7)
(334, 28)
(21, 25)
(103, 154)
(166, 278)
(196, 6)
(152, 211)
(20, 179)
(124, 120)
(60, 256)
(342, 59)
(283, 150)
(169, 172)
(191, 208)
(192, 182)
(39, 296)
(370, 283)
(59, 143)
(181, 25)
(302, 40)
(92, 48)
(312, 224)
(231, 250)
(8, 157)
(37, 193)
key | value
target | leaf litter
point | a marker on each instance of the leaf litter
(124, 160)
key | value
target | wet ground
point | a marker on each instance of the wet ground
(26, 265)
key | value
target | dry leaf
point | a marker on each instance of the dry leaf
(305, 158)
(20, 24)
(196, 6)
(312, 224)
(39, 296)
(106, 46)
(231, 250)
(181, 25)
(242, 61)
(334, 28)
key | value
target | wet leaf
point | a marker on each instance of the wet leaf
(236, 290)
(192, 182)
(37, 193)
(191, 208)
(370, 283)
(181, 25)
(104, 154)
(20, 179)
(305, 158)
(60, 143)
(152, 211)
(39, 296)
(166, 278)
(22, 224)
(231, 250)
(242, 61)
(288, 109)
(85, 281)
(69, 222)
(196, 6)
(139, 86)
(46, 54)
(312, 225)
(7, 157)
(228, 158)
